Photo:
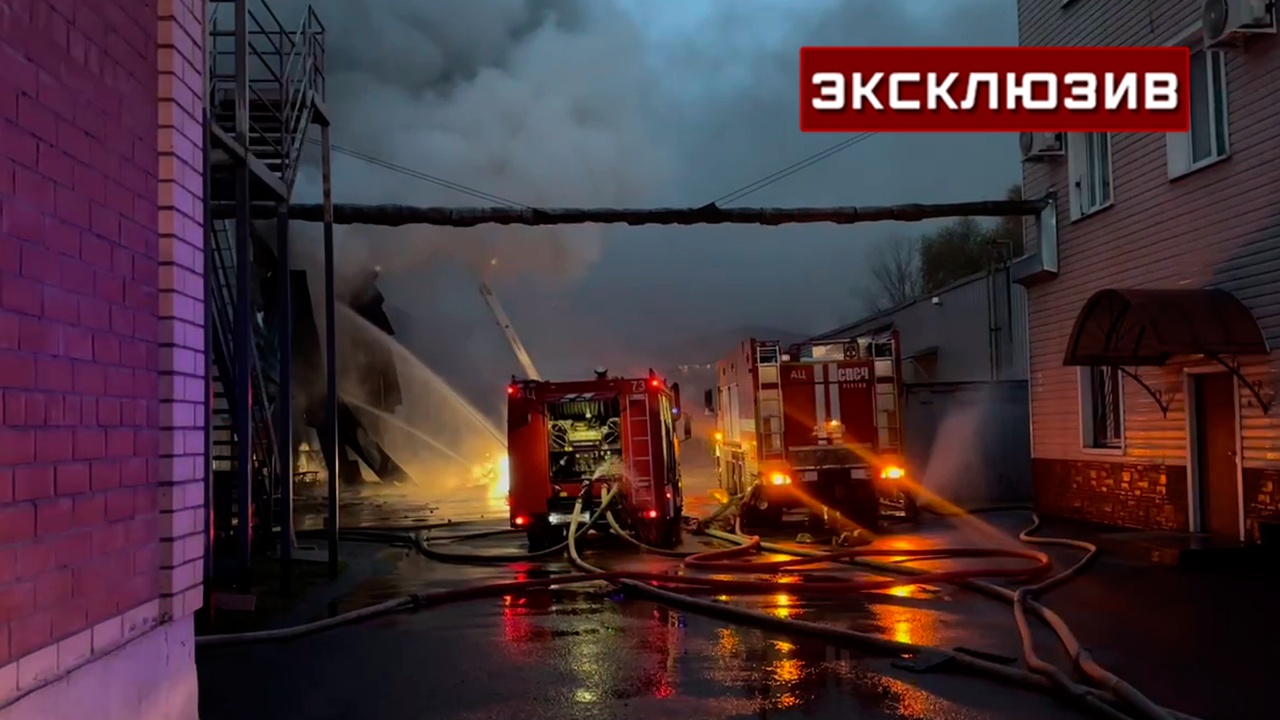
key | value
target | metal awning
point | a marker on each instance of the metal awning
(1147, 327)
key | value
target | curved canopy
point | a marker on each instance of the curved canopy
(1147, 327)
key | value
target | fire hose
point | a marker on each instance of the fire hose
(1042, 676)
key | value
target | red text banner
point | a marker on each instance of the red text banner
(995, 89)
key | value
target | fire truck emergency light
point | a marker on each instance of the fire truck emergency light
(779, 479)
(892, 473)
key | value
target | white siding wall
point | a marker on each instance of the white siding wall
(1219, 226)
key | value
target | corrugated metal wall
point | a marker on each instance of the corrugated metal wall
(966, 418)
(976, 336)
(968, 442)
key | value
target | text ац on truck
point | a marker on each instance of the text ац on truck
(817, 426)
(603, 432)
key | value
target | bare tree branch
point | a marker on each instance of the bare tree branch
(895, 273)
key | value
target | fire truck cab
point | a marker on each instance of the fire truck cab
(816, 426)
(604, 431)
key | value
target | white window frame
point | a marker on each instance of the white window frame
(1084, 163)
(1088, 438)
(1179, 157)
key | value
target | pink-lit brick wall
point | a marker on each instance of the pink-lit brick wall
(101, 339)
(181, 309)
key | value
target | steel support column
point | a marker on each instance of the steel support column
(209, 340)
(330, 444)
(242, 347)
(284, 393)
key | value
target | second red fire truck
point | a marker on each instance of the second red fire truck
(812, 426)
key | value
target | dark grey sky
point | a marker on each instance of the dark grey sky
(624, 102)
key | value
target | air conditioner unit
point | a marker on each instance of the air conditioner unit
(1036, 146)
(1226, 21)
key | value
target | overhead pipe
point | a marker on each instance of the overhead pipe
(402, 215)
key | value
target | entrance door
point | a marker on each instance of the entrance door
(1217, 474)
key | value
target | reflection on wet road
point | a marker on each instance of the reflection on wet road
(578, 654)
(592, 653)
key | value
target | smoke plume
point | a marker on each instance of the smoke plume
(612, 102)
(541, 102)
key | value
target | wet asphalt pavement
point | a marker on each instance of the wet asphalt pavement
(588, 652)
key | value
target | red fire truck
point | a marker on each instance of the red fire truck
(604, 431)
(815, 425)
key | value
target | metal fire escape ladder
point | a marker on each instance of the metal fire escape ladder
(264, 83)
(768, 356)
(286, 84)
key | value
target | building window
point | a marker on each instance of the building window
(1089, 166)
(1101, 408)
(1208, 141)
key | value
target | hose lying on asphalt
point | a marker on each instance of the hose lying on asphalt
(472, 558)
(1097, 701)
(1044, 677)
(1079, 656)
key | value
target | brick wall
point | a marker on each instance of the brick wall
(101, 346)
(181, 308)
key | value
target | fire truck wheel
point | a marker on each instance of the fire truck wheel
(862, 506)
(910, 507)
(543, 537)
(671, 534)
(766, 518)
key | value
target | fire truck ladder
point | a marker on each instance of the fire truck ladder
(769, 392)
(883, 351)
(522, 355)
(639, 446)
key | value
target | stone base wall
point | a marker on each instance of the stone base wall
(1130, 495)
(150, 677)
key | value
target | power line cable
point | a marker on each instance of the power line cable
(791, 169)
(732, 196)
(433, 179)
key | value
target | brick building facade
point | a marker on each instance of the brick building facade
(101, 357)
(1153, 314)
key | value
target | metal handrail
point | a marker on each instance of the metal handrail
(262, 440)
(291, 78)
(297, 112)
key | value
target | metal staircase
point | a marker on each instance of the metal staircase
(265, 83)
(264, 389)
(286, 79)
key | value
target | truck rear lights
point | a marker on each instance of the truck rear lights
(521, 521)
(655, 382)
(651, 514)
(892, 473)
(779, 479)
(511, 389)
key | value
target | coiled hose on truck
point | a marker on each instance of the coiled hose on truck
(1044, 677)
